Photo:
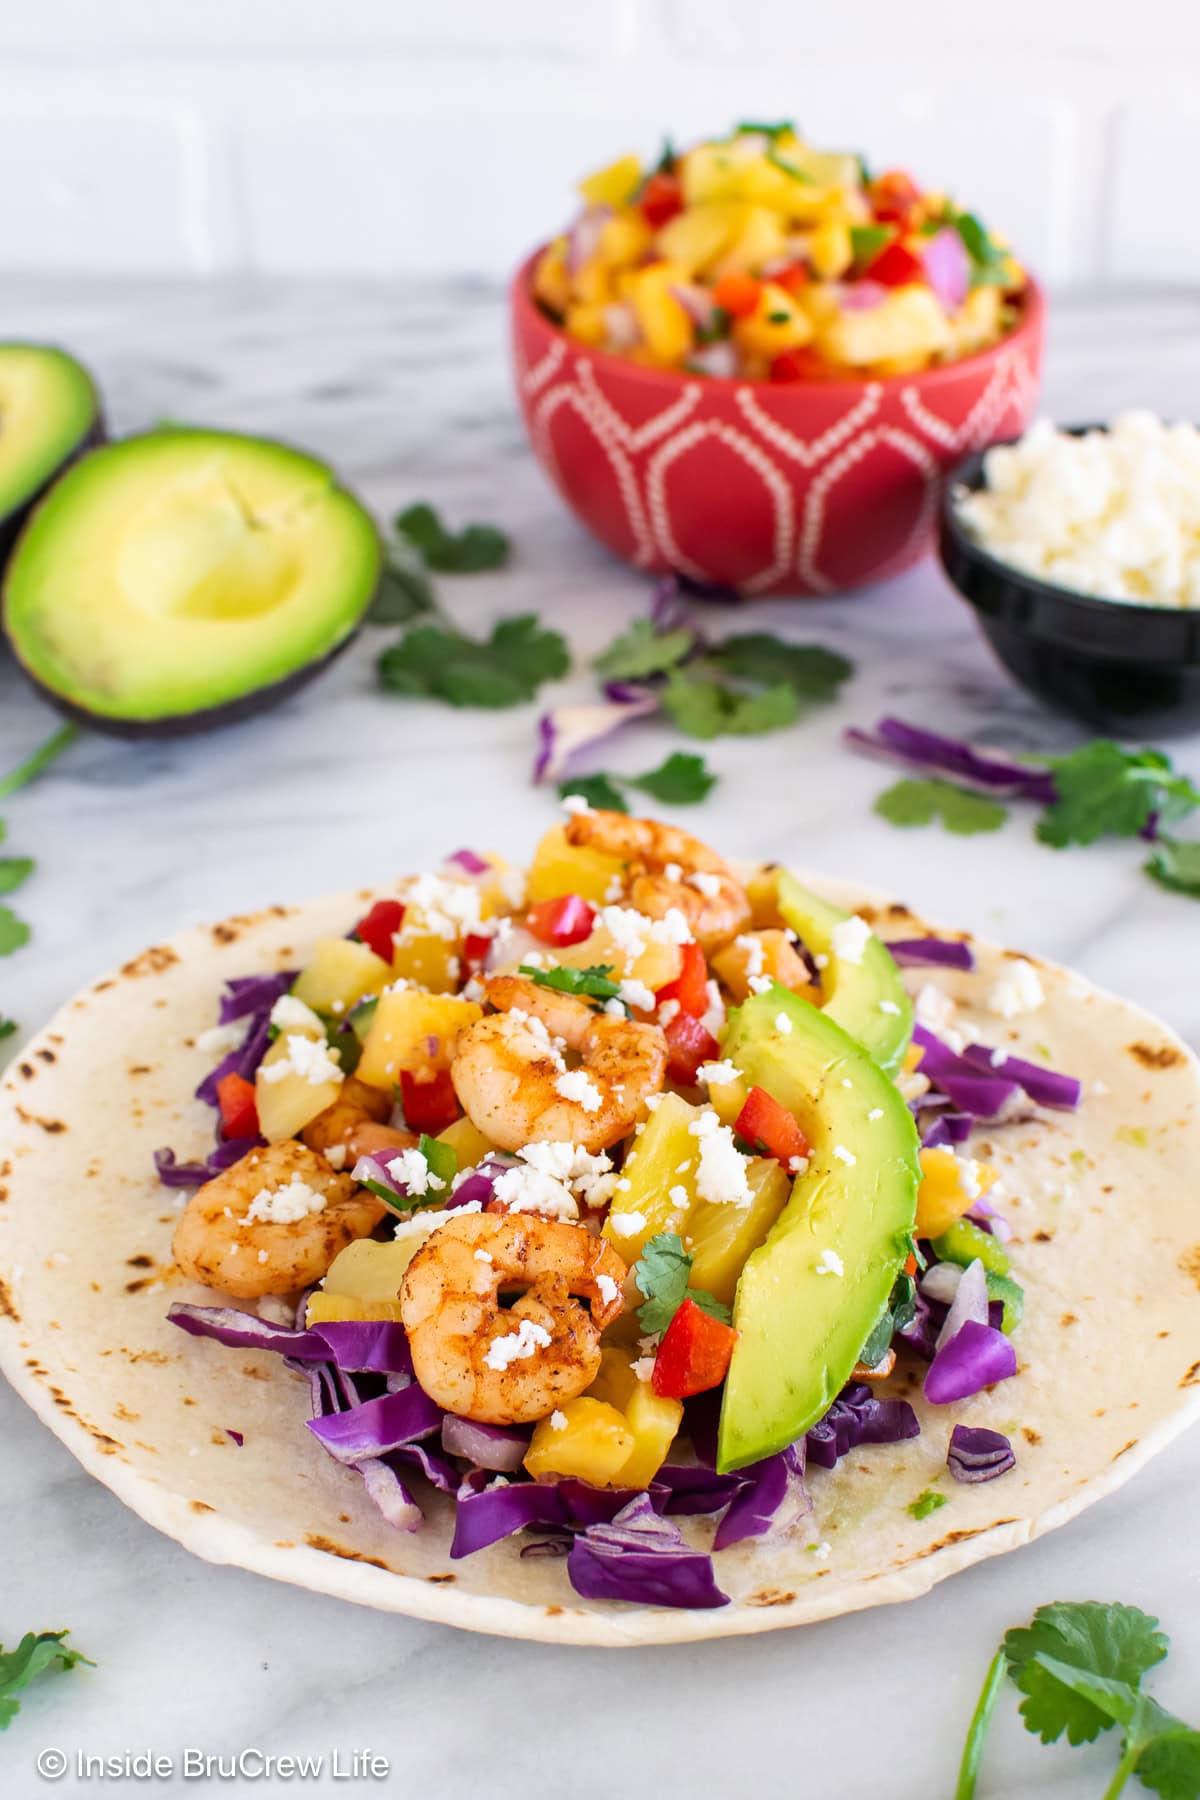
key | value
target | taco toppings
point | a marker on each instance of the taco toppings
(616, 1191)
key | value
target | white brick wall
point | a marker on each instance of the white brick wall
(394, 136)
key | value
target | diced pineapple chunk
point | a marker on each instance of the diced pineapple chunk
(467, 1142)
(910, 320)
(778, 323)
(340, 972)
(551, 284)
(976, 323)
(592, 1445)
(426, 958)
(760, 239)
(561, 868)
(371, 1272)
(721, 1237)
(730, 172)
(323, 1307)
(762, 891)
(693, 240)
(616, 1380)
(950, 1186)
(624, 239)
(286, 1105)
(587, 323)
(779, 959)
(654, 1421)
(666, 327)
(654, 964)
(727, 1099)
(594, 284)
(661, 1171)
(415, 1031)
(614, 184)
(831, 250)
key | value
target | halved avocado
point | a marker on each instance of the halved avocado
(185, 578)
(49, 412)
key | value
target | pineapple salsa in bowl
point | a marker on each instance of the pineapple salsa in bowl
(758, 256)
(753, 363)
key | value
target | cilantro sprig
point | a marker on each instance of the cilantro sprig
(16, 870)
(751, 683)
(441, 663)
(918, 802)
(642, 651)
(683, 779)
(466, 552)
(36, 1652)
(1079, 1666)
(594, 983)
(661, 1274)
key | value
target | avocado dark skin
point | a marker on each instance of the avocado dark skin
(10, 526)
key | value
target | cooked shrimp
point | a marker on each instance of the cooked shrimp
(506, 1365)
(218, 1243)
(510, 1069)
(353, 1126)
(669, 868)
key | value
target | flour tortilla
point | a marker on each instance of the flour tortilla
(1106, 1216)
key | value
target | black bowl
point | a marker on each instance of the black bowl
(1131, 671)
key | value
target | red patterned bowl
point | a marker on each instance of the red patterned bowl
(769, 487)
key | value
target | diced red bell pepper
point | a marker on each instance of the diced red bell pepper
(763, 1121)
(429, 1105)
(689, 1044)
(662, 198)
(474, 954)
(895, 197)
(239, 1112)
(792, 279)
(379, 927)
(896, 266)
(910, 1264)
(690, 986)
(737, 294)
(694, 1354)
(803, 364)
(567, 920)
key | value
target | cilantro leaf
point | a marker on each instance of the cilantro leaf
(1112, 1641)
(33, 1655)
(661, 1274)
(682, 780)
(13, 871)
(7, 1026)
(1105, 791)
(918, 802)
(504, 670)
(466, 552)
(709, 709)
(643, 651)
(41, 758)
(925, 1503)
(404, 590)
(593, 983)
(758, 656)
(14, 932)
(1168, 1761)
(597, 790)
(1176, 865)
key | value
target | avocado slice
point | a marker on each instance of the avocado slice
(853, 1209)
(184, 578)
(49, 412)
(866, 998)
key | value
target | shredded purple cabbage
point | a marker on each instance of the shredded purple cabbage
(772, 1499)
(351, 1344)
(642, 1558)
(388, 1492)
(948, 1128)
(248, 995)
(1045, 1087)
(485, 1515)
(567, 733)
(376, 1426)
(964, 1083)
(859, 1416)
(932, 953)
(977, 1454)
(976, 1357)
(691, 1488)
(987, 771)
(174, 1174)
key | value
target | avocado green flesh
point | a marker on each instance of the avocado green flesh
(867, 998)
(48, 406)
(801, 1330)
(177, 572)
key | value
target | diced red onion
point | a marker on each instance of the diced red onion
(498, 1447)
(984, 1213)
(697, 303)
(861, 296)
(468, 862)
(940, 1282)
(584, 236)
(719, 360)
(975, 1357)
(968, 1302)
(947, 267)
(977, 1454)
(621, 326)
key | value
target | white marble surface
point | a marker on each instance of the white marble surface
(408, 394)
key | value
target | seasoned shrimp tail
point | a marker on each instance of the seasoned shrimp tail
(547, 1067)
(272, 1223)
(507, 1365)
(669, 870)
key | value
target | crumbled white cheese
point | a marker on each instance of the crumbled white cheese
(673, 872)
(1019, 990)
(523, 1342)
(538, 1038)
(721, 1175)
(760, 983)
(410, 1168)
(755, 952)
(643, 1368)
(575, 804)
(797, 1165)
(844, 1155)
(483, 1256)
(717, 1073)
(998, 1058)
(876, 1112)
(831, 1264)
(678, 1195)
(285, 1205)
(889, 1006)
(1113, 513)
(705, 883)
(591, 1176)
(783, 1024)
(636, 993)
(627, 1224)
(426, 1220)
(558, 1420)
(335, 1155)
(849, 939)
(933, 1007)
(607, 1288)
(624, 1185)
(474, 990)
(577, 1085)
(441, 906)
(523, 1189)
(262, 1256)
(290, 1014)
(512, 885)
(219, 1040)
(614, 890)
(667, 1011)
(309, 1058)
(968, 1177)
(714, 1019)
